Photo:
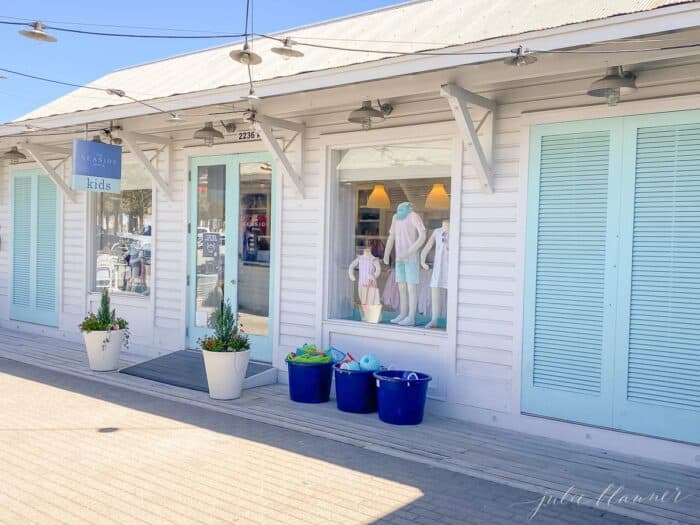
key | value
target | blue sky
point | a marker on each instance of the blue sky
(81, 59)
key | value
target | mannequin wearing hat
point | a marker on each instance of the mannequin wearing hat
(407, 235)
(438, 281)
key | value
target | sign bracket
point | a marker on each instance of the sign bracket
(38, 152)
(132, 139)
(264, 125)
(480, 149)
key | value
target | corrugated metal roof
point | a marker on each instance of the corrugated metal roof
(422, 25)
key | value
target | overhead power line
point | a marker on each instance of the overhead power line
(126, 35)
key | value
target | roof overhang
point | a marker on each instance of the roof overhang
(671, 18)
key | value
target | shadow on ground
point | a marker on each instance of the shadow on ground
(447, 497)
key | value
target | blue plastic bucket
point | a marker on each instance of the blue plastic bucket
(310, 382)
(401, 396)
(355, 390)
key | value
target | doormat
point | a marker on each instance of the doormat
(184, 368)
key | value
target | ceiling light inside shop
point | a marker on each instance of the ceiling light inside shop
(379, 198)
(437, 199)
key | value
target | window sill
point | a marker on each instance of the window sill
(413, 333)
(123, 299)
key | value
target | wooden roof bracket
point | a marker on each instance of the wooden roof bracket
(264, 125)
(132, 139)
(38, 152)
(480, 149)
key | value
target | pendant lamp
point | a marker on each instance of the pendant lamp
(286, 50)
(208, 134)
(378, 198)
(37, 33)
(245, 56)
(437, 199)
(615, 83)
(14, 155)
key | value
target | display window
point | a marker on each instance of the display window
(390, 247)
(123, 232)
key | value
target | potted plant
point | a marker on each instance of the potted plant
(226, 354)
(104, 335)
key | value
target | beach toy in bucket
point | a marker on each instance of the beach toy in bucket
(401, 396)
(355, 386)
(311, 373)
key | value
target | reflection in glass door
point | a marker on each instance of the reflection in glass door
(254, 224)
(231, 245)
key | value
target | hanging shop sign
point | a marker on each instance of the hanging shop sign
(97, 166)
(247, 135)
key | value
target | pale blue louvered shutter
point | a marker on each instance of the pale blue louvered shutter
(22, 242)
(47, 247)
(567, 366)
(34, 249)
(658, 392)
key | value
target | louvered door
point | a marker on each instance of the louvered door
(34, 296)
(567, 359)
(658, 392)
(612, 302)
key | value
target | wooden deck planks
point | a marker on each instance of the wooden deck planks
(507, 457)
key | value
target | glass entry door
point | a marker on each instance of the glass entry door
(231, 245)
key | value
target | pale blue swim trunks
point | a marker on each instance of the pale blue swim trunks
(407, 272)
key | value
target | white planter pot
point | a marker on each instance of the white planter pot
(103, 349)
(225, 373)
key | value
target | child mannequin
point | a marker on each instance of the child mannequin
(407, 232)
(438, 281)
(367, 287)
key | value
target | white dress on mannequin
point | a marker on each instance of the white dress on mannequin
(438, 281)
(441, 261)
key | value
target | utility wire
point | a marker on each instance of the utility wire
(111, 91)
(117, 26)
(124, 35)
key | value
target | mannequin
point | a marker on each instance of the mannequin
(438, 282)
(407, 233)
(367, 287)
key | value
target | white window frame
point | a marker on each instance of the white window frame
(380, 137)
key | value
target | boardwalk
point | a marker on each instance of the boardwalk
(509, 459)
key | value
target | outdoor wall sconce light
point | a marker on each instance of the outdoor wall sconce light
(245, 56)
(367, 115)
(14, 155)
(523, 57)
(286, 49)
(208, 134)
(615, 83)
(37, 33)
(230, 126)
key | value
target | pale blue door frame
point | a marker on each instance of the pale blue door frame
(612, 291)
(202, 293)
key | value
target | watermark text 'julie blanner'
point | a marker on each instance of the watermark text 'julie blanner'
(612, 496)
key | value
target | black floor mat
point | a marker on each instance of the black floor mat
(184, 368)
